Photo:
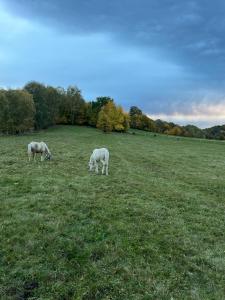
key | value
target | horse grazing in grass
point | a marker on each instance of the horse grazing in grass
(99, 155)
(38, 147)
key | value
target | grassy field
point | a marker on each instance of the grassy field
(153, 229)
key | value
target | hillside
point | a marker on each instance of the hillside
(152, 229)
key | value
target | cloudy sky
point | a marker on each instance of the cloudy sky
(165, 56)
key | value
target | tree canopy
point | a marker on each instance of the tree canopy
(17, 111)
(38, 106)
(112, 118)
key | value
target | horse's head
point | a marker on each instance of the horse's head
(48, 156)
(91, 164)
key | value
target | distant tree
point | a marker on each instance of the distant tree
(104, 123)
(176, 130)
(42, 116)
(61, 118)
(126, 121)
(121, 119)
(193, 131)
(4, 112)
(138, 120)
(17, 111)
(161, 126)
(134, 110)
(215, 132)
(73, 109)
(93, 109)
(53, 99)
(47, 100)
(112, 118)
(135, 117)
(147, 124)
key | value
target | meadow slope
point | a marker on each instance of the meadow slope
(153, 229)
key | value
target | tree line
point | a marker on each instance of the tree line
(37, 106)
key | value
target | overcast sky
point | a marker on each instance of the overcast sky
(165, 56)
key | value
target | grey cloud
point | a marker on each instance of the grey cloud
(176, 25)
(151, 52)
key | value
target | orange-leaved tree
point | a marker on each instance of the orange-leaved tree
(113, 118)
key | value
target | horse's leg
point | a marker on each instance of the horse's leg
(42, 156)
(103, 166)
(96, 168)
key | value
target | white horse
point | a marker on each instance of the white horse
(99, 155)
(38, 147)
